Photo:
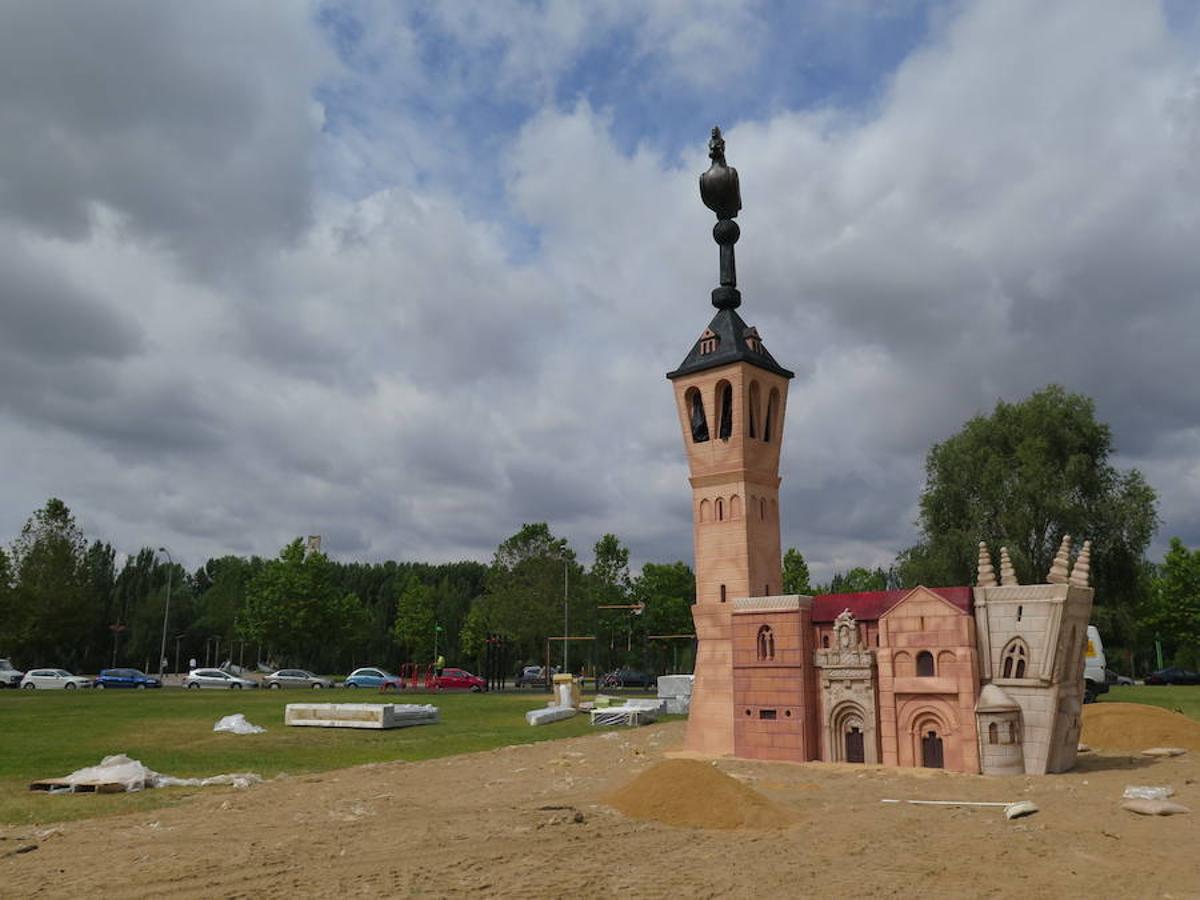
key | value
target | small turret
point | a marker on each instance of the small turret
(1081, 571)
(1060, 570)
(987, 575)
(1007, 575)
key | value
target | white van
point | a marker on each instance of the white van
(1094, 676)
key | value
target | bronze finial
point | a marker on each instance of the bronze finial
(722, 193)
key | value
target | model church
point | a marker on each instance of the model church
(987, 678)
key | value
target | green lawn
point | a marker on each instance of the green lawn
(1185, 698)
(48, 734)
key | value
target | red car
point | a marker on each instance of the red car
(460, 679)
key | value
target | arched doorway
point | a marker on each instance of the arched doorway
(847, 735)
(932, 756)
(855, 748)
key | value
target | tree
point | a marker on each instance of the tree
(1023, 477)
(295, 608)
(858, 580)
(795, 573)
(525, 587)
(609, 586)
(50, 614)
(416, 619)
(1173, 613)
(668, 590)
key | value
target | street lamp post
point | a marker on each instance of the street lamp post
(162, 653)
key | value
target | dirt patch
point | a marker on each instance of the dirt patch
(535, 821)
(692, 794)
(1134, 726)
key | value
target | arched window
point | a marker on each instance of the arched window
(696, 417)
(725, 410)
(1020, 610)
(705, 510)
(735, 507)
(722, 593)
(720, 508)
(924, 664)
(770, 424)
(993, 733)
(1015, 658)
(825, 641)
(1013, 737)
(762, 508)
(766, 643)
(755, 409)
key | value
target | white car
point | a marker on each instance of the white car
(54, 680)
(215, 678)
(10, 675)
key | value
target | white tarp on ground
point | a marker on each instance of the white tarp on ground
(134, 776)
(237, 724)
(361, 715)
(548, 714)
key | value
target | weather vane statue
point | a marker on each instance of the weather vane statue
(721, 193)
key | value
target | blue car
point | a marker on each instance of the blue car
(126, 678)
(373, 678)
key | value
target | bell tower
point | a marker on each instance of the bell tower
(730, 395)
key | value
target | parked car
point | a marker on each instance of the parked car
(460, 679)
(10, 675)
(1113, 677)
(215, 678)
(296, 678)
(1173, 675)
(126, 678)
(53, 679)
(619, 678)
(531, 675)
(372, 678)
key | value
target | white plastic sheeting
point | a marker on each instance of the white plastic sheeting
(133, 776)
(676, 690)
(629, 714)
(548, 714)
(237, 724)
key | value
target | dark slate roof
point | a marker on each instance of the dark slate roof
(728, 326)
(868, 606)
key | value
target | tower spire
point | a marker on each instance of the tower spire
(722, 193)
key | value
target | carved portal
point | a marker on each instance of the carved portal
(846, 676)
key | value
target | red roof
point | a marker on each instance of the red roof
(870, 605)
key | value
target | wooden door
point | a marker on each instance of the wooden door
(931, 751)
(854, 746)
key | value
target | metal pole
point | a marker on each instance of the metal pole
(162, 653)
(566, 620)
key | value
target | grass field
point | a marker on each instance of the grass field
(1184, 698)
(48, 734)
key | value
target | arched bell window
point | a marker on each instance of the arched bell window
(725, 410)
(770, 424)
(754, 412)
(696, 417)
(1015, 659)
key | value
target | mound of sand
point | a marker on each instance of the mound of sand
(692, 794)
(1134, 726)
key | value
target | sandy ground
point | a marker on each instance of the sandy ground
(530, 822)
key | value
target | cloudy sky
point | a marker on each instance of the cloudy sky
(410, 275)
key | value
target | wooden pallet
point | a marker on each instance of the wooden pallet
(56, 786)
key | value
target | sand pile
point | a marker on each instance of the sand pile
(692, 794)
(1134, 726)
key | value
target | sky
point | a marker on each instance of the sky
(410, 275)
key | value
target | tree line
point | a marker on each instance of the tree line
(1021, 477)
(64, 601)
